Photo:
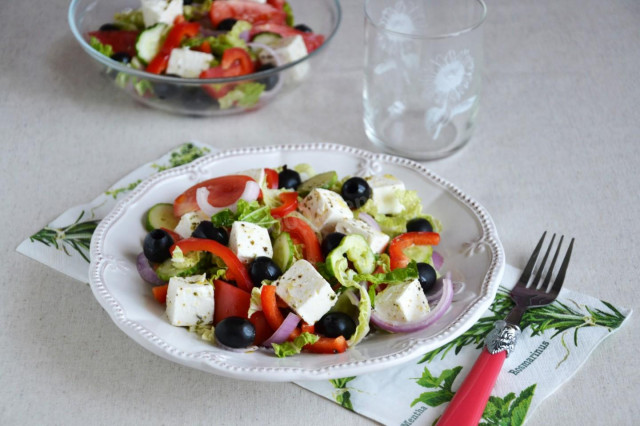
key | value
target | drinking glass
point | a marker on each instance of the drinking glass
(422, 74)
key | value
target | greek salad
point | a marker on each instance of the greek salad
(210, 39)
(294, 261)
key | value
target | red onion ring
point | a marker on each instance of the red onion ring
(284, 331)
(437, 259)
(251, 193)
(146, 271)
(431, 317)
(369, 220)
(244, 35)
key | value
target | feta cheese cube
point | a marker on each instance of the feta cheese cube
(188, 63)
(324, 208)
(304, 289)
(385, 190)
(405, 302)
(165, 11)
(190, 301)
(256, 174)
(188, 223)
(248, 241)
(288, 49)
(377, 240)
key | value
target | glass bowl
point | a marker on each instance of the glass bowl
(189, 96)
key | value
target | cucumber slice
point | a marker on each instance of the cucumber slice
(194, 263)
(149, 42)
(283, 250)
(160, 216)
(267, 38)
(324, 180)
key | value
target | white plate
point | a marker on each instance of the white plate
(469, 244)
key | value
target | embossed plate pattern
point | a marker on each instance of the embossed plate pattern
(470, 246)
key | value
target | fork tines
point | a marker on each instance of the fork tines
(531, 265)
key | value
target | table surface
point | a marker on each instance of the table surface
(556, 148)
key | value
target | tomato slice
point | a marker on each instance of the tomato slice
(223, 191)
(328, 345)
(289, 204)
(270, 307)
(179, 31)
(311, 40)
(278, 4)
(236, 268)
(246, 11)
(120, 41)
(229, 301)
(396, 248)
(301, 231)
(272, 178)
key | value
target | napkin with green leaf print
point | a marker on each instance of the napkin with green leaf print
(555, 342)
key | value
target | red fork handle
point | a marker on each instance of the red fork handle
(468, 403)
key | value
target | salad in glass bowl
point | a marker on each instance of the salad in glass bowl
(289, 260)
(204, 57)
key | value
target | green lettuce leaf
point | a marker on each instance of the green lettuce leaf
(246, 212)
(287, 9)
(255, 303)
(293, 348)
(230, 39)
(205, 331)
(131, 20)
(244, 95)
(104, 49)
(397, 224)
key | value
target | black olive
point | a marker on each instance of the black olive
(271, 81)
(207, 231)
(109, 27)
(235, 332)
(156, 245)
(123, 57)
(263, 268)
(419, 224)
(186, 2)
(330, 242)
(289, 179)
(426, 276)
(195, 98)
(356, 191)
(165, 90)
(336, 324)
(226, 24)
(304, 28)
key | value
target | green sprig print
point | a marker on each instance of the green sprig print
(558, 316)
(442, 384)
(508, 411)
(77, 236)
(342, 394)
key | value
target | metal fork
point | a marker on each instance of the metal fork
(468, 404)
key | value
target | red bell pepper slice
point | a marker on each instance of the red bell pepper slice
(236, 267)
(235, 56)
(301, 231)
(263, 329)
(174, 235)
(178, 32)
(289, 204)
(396, 248)
(328, 345)
(272, 178)
(270, 307)
(160, 293)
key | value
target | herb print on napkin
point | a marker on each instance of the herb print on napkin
(554, 343)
